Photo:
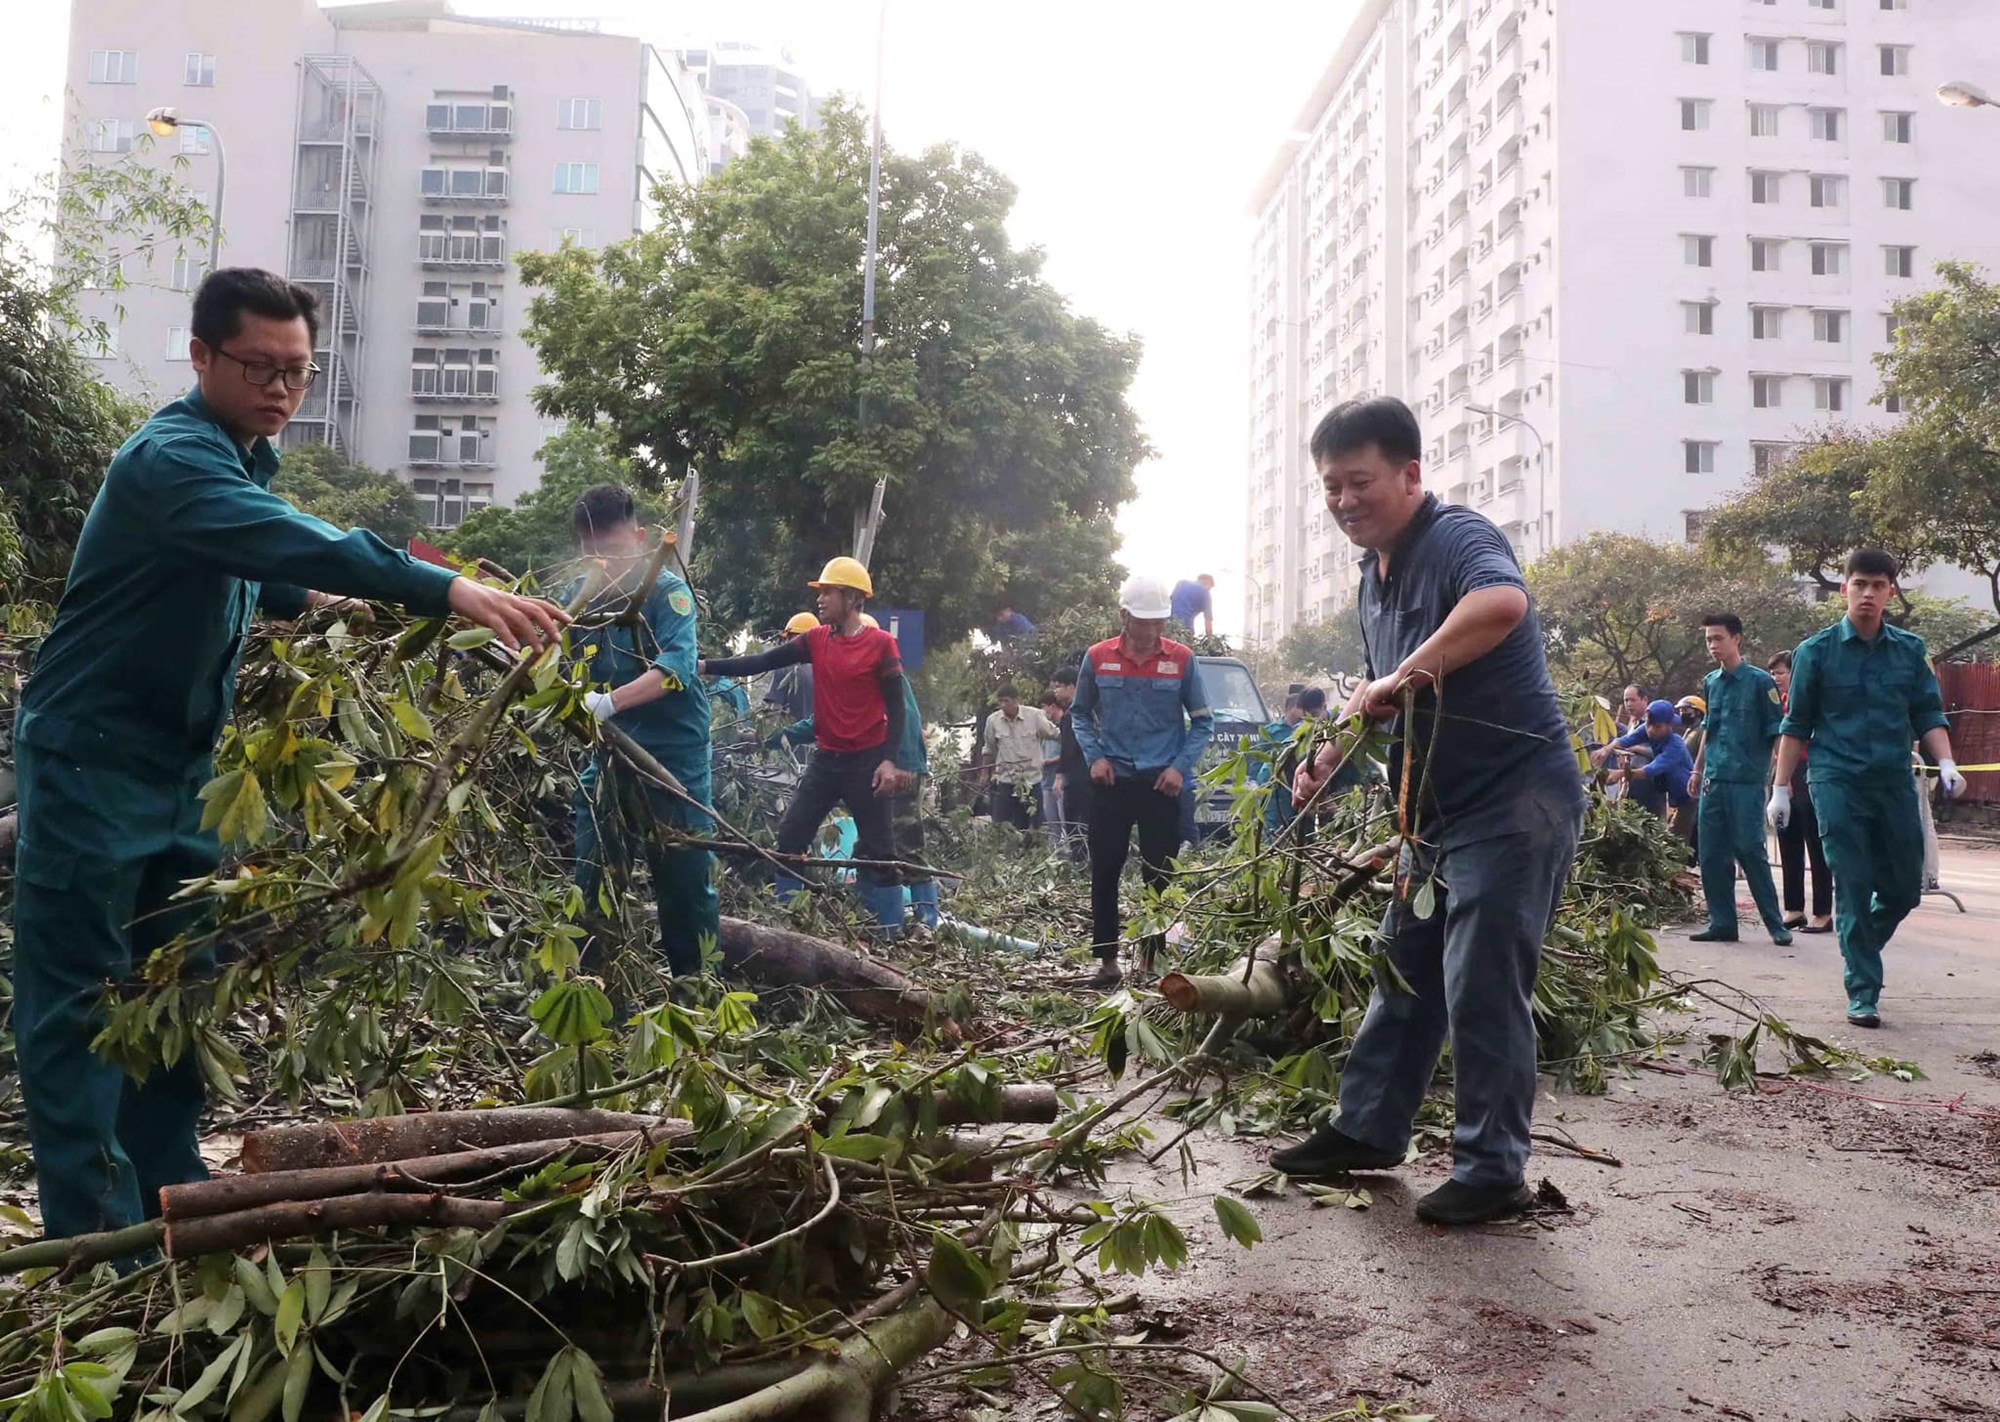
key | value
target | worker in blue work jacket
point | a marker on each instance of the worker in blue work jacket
(647, 686)
(1142, 721)
(1446, 622)
(1739, 733)
(1660, 783)
(118, 725)
(1861, 692)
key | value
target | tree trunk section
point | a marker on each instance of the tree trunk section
(1251, 988)
(867, 988)
(297, 1219)
(381, 1138)
(1032, 1104)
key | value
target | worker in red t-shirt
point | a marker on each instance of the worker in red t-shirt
(858, 712)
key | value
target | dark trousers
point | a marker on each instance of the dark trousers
(842, 778)
(1011, 804)
(1798, 842)
(619, 819)
(1115, 811)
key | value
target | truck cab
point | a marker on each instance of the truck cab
(1240, 713)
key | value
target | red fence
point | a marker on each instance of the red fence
(1972, 700)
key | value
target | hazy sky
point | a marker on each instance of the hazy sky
(1134, 136)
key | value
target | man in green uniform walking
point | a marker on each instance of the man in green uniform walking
(656, 696)
(1861, 692)
(1730, 774)
(119, 720)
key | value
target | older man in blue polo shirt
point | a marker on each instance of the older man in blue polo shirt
(1445, 614)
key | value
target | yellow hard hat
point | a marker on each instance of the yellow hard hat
(868, 620)
(801, 622)
(1694, 701)
(844, 573)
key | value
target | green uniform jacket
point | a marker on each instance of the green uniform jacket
(1744, 710)
(184, 542)
(910, 753)
(674, 727)
(1862, 704)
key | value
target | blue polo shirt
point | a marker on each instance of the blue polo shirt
(1499, 760)
(1190, 600)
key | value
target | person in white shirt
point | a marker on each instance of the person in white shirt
(1014, 735)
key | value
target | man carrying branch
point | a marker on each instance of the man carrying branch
(117, 727)
(1445, 615)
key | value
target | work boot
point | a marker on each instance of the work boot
(788, 887)
(1863, 1014)
(1329, 1152)
(1107, 974)
(1717, 935)
(1457, 1203)
(884, 903)
(924, 903)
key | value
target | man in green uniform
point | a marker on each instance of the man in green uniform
(658, 699)
(1730, 774)
(1861, 692)
(119, 721)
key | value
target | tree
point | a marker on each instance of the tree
(1320, 651)
(1814, 507)
(728, 337)
(323, 484)
(538, 533)
(1619, 610)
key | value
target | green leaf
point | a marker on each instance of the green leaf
(211, 1376)
(318, 1275)
(763, 1314)
(471, 637)
(255, 1287)
(413, 721)
(955, 1275)
(291, 1313)
(1237, 1222)
(591, 1404)
(234, 807)
(298, 1381)
(572, 1013)
(554, 1398)
(1424, 902)
(862, 1147)
(106, 1340)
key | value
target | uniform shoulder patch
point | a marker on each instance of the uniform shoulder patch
(1772, 692)
(680, 601)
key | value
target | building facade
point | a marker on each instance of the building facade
(764, 85)
(1616, 257)
(396, 158)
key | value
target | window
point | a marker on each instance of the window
(177, 342)
(194, 139)
(1830, 327)
(1822, 57)
(1895, 4)
(1899, 261)
(582, 236)
(1829, 258)
(114, 66)
(200, 71)
(1828, 190)
(576, 177)
(1698, 387)
(1830, 392)
(113, 135)
(1895, 60)
(1764, 253)
(1697, 182)
(188, 272)
(579, 113)
(1698, 456)
(1899, 193)
(1896, 127)
(1826, 124)
(1822, 4)
(1765, 458)
(1763, 187)
(1891, 323)
(1694, 49)
(1891, 401)
(1767, 392)
(1767, 323)
(1700, 317)
(105, 273)
(1698, 251)
(1763, 120)
(1694, 114)
(1764, 55)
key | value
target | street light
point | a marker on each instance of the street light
(1960, 95)
(165, 122)
(1541, 462)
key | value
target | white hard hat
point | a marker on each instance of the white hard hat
(1145, 597)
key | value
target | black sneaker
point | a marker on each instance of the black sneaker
(1456, 1203)
(1328, 1152)
(1711, 935)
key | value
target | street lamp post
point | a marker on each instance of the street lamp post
(165, 122)
(1960, 95)
(1541, 464)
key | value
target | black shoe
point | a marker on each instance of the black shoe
(1711, 935)
(1328, 1152)
(1862, 1016)
(1107, 974)
(1782, 937)
(1456, 1203)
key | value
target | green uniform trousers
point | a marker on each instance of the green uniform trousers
(616, 815)
(1732, 834)
(104, 1144)
(1874, 839)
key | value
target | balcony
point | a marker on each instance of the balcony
(453, 318)
(432, 450)
(484, 122)
(472, 185)
(459, 385)
(462, 250)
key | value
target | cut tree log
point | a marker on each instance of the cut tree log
(865, 987)
(1253, 987)
(381, 1138)
(844, 1387)
(295, 1219)
(1033, 1104)
(414, 1175)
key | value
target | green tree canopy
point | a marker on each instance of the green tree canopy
(729, 338)
(1814, 507)
(1320, 651)
(538, 534)
(325, 485)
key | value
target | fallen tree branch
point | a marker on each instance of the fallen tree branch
(864, 986)
(1254, 986)
(843, 1388)
(383, 1138)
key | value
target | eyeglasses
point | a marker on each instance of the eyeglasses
(262, 372)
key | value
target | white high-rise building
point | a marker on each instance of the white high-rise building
(1659, 242)
(395, 157)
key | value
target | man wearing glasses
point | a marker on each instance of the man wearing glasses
(119, 721)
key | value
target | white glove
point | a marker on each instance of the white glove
(1779, 811)
(598, 704)
(1950, 779)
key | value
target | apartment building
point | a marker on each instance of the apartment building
(1616, 256)
(396, 157)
